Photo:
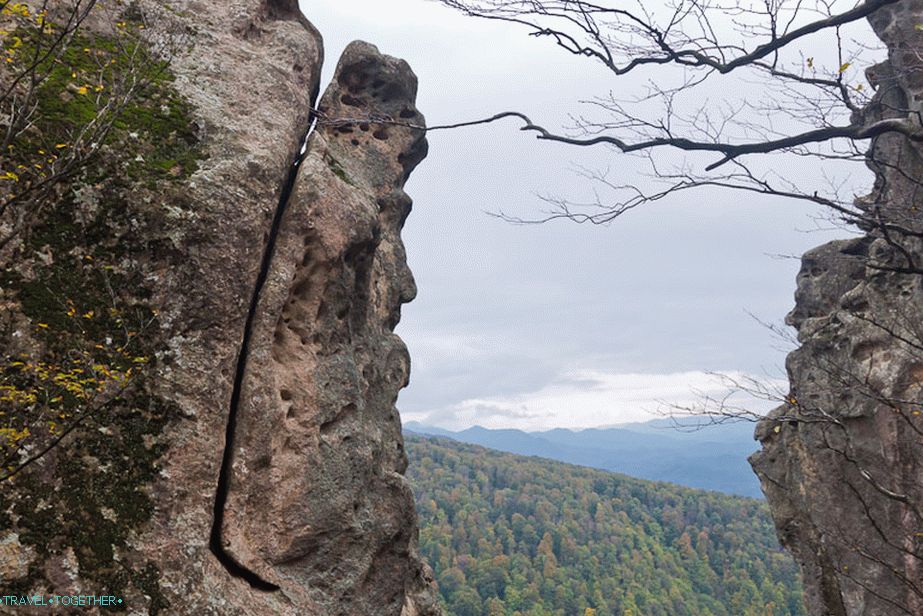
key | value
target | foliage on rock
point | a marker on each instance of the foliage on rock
(95, 127)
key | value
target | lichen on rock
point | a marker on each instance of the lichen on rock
(81, 426)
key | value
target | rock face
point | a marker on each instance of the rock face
(842, 460)
(252, 463)
(317, 498)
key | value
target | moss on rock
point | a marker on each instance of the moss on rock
(82, 332)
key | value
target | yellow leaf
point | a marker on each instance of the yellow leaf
(17, 8)
(82, 90)
(844, 66)
(777, 429)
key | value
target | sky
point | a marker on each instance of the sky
(560, 324)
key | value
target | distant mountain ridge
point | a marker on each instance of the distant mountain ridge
(712, 458)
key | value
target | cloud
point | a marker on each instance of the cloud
(595, 398)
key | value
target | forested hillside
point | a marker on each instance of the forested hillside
(512, 535)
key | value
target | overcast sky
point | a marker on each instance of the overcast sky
(561, 325)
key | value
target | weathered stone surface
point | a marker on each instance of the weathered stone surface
(842, 461)
(318, 503)
(314, 502)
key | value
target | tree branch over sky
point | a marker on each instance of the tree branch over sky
(718, 82)
(708, 40)
(625, 39)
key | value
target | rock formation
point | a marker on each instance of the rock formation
(240, 451)
(842, 460)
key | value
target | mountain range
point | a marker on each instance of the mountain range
(709, 458)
